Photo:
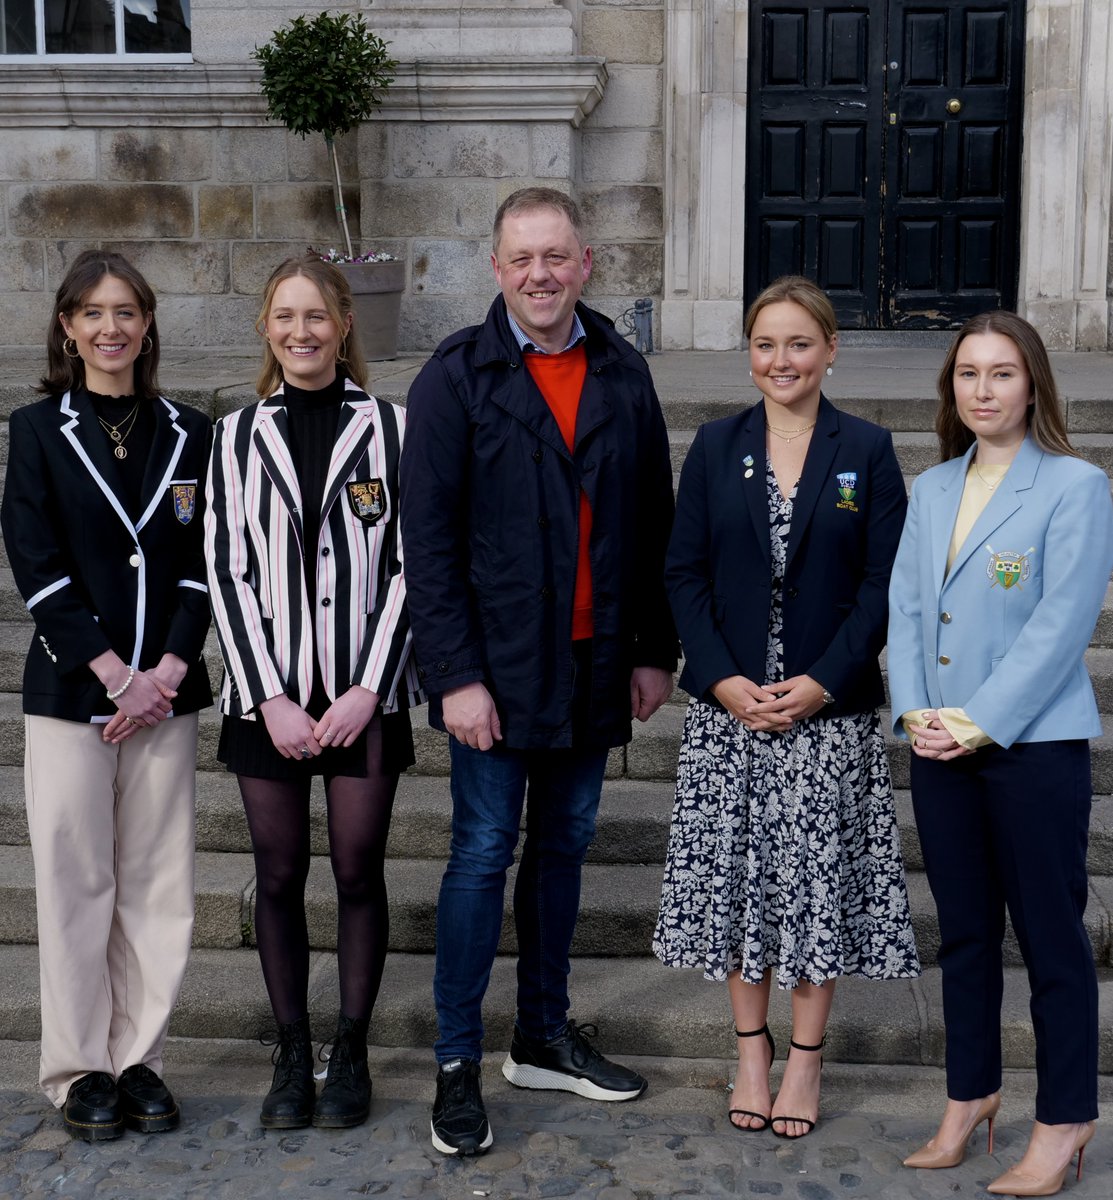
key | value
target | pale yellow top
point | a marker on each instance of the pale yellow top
(981, 482)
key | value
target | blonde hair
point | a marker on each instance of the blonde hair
(337, 296)
(798, 290)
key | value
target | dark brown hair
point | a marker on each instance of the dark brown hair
(64, 373)
(797, 290)
(528, 199)
(1045, 417)
(336, 294)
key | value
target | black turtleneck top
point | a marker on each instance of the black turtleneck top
(137, 439)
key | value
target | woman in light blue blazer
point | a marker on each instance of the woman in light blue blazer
(997, 585)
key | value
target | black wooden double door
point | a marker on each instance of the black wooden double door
(883, 155)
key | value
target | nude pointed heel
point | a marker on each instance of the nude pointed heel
(1015, 1182)
(931, 1157)
(746, 1112)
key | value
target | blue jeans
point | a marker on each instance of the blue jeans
(488, 791)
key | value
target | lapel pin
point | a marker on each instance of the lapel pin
(748, 463)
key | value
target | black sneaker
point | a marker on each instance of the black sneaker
(459, 1123)
(569, 1063)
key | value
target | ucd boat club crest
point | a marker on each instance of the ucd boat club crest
(185, 501)
(848, 489)
(1008, 568)
(366, 499)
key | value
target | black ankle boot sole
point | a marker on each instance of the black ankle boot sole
(340, 1120)
(295, 1121)
(160, 1124)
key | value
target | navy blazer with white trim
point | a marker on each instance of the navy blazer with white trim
(840, 552)
(94, 579)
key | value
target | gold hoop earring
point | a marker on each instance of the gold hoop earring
(146, 345)
(66, 344)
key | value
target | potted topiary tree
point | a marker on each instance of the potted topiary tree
(324, 75)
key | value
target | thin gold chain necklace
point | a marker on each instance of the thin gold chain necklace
(793, 434)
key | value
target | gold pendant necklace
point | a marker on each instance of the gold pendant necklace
(114, 433)
(985, 482)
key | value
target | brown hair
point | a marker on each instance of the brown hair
(63, 372)
(1045, 417)
(797, 290)
(528, 199)
(336, 294)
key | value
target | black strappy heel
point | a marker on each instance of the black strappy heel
(745, 1112)
(795, 1045)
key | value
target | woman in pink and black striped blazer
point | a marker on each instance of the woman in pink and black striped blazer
(309, 600)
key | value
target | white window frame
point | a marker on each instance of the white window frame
(121, 56)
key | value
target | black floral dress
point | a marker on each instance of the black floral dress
(784, 852)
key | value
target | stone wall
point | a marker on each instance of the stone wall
(177, 167)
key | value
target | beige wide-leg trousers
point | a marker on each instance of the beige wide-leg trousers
(112, 833)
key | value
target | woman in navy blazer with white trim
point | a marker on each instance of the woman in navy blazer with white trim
(102, 523)
(784, 857)
(1000, 576)
(309, 599)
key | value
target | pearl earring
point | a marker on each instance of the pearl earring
(830, 369)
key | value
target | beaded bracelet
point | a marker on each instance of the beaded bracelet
(123, 687)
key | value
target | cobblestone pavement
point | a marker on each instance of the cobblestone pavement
(675, 1141)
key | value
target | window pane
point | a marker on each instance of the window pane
(17, 26)
(80, 27)
(156, 26)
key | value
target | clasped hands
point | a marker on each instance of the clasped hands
(932, 739)
(147, 699)
(295, 734)
(769, 707)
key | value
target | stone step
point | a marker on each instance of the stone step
(632, 827)
(618, 907)
(640, 1007)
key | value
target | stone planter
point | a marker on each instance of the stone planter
(377, 301)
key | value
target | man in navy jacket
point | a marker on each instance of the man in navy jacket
(536, 505)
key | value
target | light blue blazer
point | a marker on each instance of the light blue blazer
(1003, 634)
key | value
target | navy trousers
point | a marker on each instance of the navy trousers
(1008, 829)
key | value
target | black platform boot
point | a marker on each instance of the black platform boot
(289, 1103)
(346, 1097)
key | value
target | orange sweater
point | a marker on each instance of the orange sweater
(560, 379)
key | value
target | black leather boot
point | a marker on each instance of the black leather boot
(346, 1097)
(289, 1103)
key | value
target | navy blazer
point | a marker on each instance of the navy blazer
(93, 576)
(841, 547)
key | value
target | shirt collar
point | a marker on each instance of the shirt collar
(527, 346)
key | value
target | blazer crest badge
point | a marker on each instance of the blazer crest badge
(1008, 568)
(367, 499)
(185, 501)
(848, 490)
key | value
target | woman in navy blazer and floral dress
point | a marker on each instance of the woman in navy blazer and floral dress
(784, 858)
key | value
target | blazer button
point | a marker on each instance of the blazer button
(135, 560)
(325, 552)
(943, 660)
(537, 456)
(791, 593)
(546, 593)
(325, 602)
(945, 618)
(543, 522)
(442, 667)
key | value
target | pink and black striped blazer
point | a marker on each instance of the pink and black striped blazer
(253, 549)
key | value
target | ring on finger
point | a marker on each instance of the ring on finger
(304, 752)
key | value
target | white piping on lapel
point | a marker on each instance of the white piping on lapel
(168, 474)
(101, 482)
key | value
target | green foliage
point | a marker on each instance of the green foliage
(323, 75)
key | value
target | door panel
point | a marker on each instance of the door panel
(883, 152)
(814, 174)
(954, 88)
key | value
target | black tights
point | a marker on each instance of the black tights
(358, 823)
